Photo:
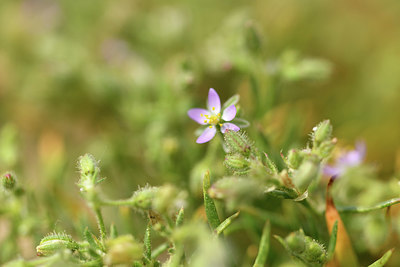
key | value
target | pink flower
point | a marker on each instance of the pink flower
(213, 118)
(349, 159)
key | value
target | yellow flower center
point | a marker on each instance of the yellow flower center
(212, 119)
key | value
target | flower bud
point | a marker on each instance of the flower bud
(325, 149)
(144, 197)
(8, 181)
(238, 142)
(322, 132)
(89, 170)
(296, 242)
(315, 252)
(55, 242)
(87, 165)
(123, 250)
(304, 248)
(237, 163)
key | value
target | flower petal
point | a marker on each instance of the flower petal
(213, 103)
(229, 126)
(332, 171)
(207, 135)
(196, 115)
(229, 113)
(353, 157)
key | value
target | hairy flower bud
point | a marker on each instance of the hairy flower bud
(55, 242)
(87, 165)
(322, 132)
(325, 149)
(144, 197)
(304, 248)
(315, 252)
(8, 181)
(238, 142)
(237, 163)
(89, 170)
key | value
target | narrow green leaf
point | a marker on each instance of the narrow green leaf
(180, 217)
(231, 101)
(270, 164)
(264, 246)
(89, 237)
(159, 250)
(113, 231)
(382, 261)
(332, 241)
(226, 223)
(211, 210)
(241, 123)
(147, 242)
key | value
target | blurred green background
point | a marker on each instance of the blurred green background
(116, 78)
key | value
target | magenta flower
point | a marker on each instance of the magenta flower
(350, 159)
(212, 117)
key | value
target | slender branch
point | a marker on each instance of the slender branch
(381, 205)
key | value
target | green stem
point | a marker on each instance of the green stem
(119, 202)
(221, 228)
(311, 208)
(332, 241)
(382, 205)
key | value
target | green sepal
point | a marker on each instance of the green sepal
(209, 205)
